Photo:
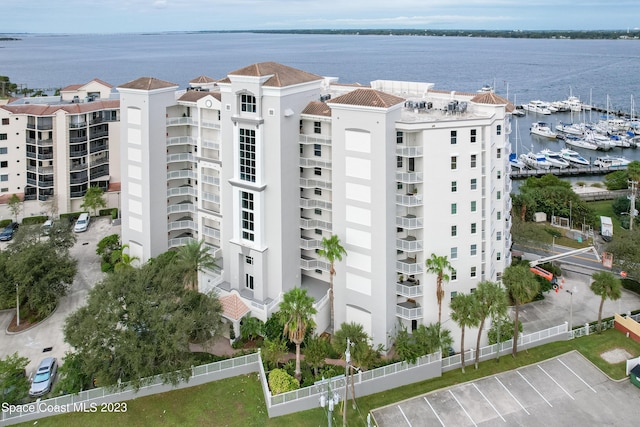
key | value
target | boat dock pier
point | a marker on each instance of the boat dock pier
(571, 171)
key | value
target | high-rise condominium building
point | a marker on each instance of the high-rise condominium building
(263, 164)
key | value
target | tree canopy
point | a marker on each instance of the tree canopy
(138, 322)
(94, 199)
(626, 252)
(14, 384)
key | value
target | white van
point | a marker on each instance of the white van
(82, 223)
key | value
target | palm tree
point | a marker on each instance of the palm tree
(492, 302)
(331, 250)
(439, 265)
(432, 338)
(464, 311)
(296, 309)
(522, 286)
(193, 258)
(124, 259)
(606, 286)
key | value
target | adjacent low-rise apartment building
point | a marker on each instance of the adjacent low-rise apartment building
(52, 148)
(266, 162)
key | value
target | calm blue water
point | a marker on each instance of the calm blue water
(522, 68)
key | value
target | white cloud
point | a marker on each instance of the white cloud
(160, 4)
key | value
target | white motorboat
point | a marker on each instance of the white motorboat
(535, 161)
(579, 143)
(570, 128)
(515, 162)
(602, 141)
(537, 107)
(611, 162)
(620, 141)
(573, 157)
(542, 129)
(556, 159)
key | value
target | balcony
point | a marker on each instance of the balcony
(77, 139)
(79, 179)
(181, 174)
(180, 121)
(180, 241)
(309, 244)
(211, 232)
(409, 289)
(315, 163)
(408, 266)
(78, 167)
(211, 197)
(314, 203)
(409, 222)
(210, 144)
(45, 142)
(409, 177)
(409, 151)
(210, 125)
(99, 172)
(315, 183)
(32, 181)
(75, 154)
(181, 157)
(100, 161)
(409, 244)
(311, 224)
(45, 184)
(181, 140)
(45, 156)
(45, 170)
(75, 125)
(94, 148)
(181, 225)
(182, 191)
(181, 207)
(308, 263)
(77, 194)
(307, 139)
(45, 126)
(212, 180)
(99, 134)
(408, 310)
(409, 200)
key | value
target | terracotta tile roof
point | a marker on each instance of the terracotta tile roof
(71, 88)
(225, 80)
(202, 79)
(147, 83)
(350, 84)
(50, 110)
(193, 95)
(281, 75)
(368, 98)
(216, 95)
(233, 307)
(317, 108)
(102, 82)
(493, 99)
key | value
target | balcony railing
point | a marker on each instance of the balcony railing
(211, 232)
(99, 147)
(99, 134)
(180, 241)
(409, 289)
(310, 224)
(178, 121)
(181, 157)
(315, 183)
(307, 139)
(181, 225)
(45, 156)
(315, 163)
(409, 199)
(407, 312)
(182, 191)
(100, 161)
(408, 266)
(409, 151)
(181, 140)
(409, 177)
(32, 181)
(45, 184)
(314, 203)
(45, 126)
(77, 194)
(185, 173)
(310, 244)
(99, 172)
(212, 180)
(79, 180)
(181, 207)
(75, 154)
(210, 144)
(210, 125)
(211, 197)
(76, 125)
(78, 167)
(409, 244)
(409, 222)
(308, 263)
(77, 139)
(45, 142)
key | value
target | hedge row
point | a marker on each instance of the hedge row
(631, 285)
(113, 212)
(5, 222)
(71, 216)
(35, 220)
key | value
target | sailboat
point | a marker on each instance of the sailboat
(514, 161)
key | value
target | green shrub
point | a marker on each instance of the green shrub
(71, 216)
(281, 382)
(631, 285)
(4, 223)
(114, 213)
(34, 220)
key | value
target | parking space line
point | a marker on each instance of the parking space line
(490, 404)
(578, 376)
(553, 379)
(536, 390)
(434, 411)
(405, 417)
(510, 394)
(465, 411)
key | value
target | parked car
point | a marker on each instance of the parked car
(46, 227)
(82, 223)
(7, 233)
(45, 375)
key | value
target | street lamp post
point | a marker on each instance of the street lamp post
(17, 307)
(347, 357)
(571, 292)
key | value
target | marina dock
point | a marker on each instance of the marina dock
(571, 171)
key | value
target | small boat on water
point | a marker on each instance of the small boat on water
(574, 157)
(538, 107)
(570, 128)
(556, 159)
(579, 142)
(515, 162)
(542, 129)
(611, 162)
(535, 161)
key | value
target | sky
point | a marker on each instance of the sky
(136, 16)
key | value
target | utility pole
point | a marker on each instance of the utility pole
(347, 357)
(632, 209)
(329, 400)
(17, 307)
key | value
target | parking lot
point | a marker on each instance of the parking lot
(565, 390)
(31, 343)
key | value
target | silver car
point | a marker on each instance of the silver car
(45, 375)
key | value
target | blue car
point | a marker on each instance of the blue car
(7, 233)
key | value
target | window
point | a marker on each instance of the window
(498, 215)
(473, 206)
(499, 174)
(498, 195)
(318, 271)
(317, 127)
(454, 162)
(4, 164)
(499, 130)
(474, 250)
(454, 137)
(248, 259)
(499, 153)
(317, 211)
(3, 150)
(454, 275)
(399, 137)
(499, 235)
(318, 232)
(473, 274)
(454, 253)
(246, 210)
(498, 276)
(317, 192)
(400, 186)
(454, 230)
(248, 103)
(454, 294)
(399, 161)
(454, 208)
(248, 281)
(3, 136)
(498, 256)
(474, 160)
(474, 228)
(473, 135)
(474, 183)
(4, 178)
(317, 150)
(248, 155)
(317, 171)
(5, 121)
(454, 186)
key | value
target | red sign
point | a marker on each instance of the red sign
(623, 274)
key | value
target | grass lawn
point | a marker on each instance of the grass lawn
(239, 401)
(604, 208)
